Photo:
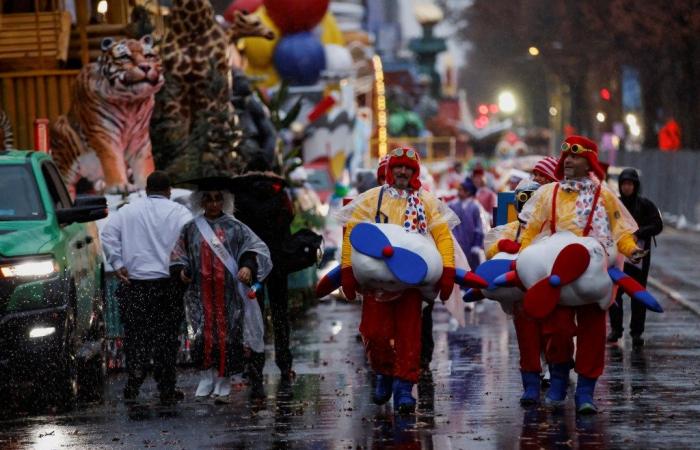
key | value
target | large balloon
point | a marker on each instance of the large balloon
(259, 50)
(294, 16)
(299, 58)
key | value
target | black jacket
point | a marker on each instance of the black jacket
(262, 203)
(645, 213)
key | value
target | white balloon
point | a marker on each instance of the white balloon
(374, 276)
(593, 286)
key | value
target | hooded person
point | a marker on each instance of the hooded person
(397, 318)
(648, 218)
(470, 231)
(220, 258)
(583, 205)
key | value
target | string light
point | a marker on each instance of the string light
(382, 137)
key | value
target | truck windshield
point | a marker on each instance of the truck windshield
(19, 196)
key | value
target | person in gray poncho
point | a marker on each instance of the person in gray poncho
(220, 258)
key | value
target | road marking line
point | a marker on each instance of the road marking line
(674, 295)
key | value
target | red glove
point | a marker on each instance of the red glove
(446, 283)
(348, 282)
(508, 246)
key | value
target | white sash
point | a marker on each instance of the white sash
(253, 327)
(216, 245)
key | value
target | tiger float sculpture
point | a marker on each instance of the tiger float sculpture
(106, 130)
(6, 138)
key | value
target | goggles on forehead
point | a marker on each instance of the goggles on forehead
(408, 152)
(574, 148)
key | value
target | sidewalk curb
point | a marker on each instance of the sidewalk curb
(674, 295)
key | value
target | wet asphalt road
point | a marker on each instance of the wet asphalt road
(648, 399)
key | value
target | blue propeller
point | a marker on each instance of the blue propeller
(492, 269)
(407, 266)
(634, 289)
(369, 240)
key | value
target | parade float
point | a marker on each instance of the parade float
(39, 81)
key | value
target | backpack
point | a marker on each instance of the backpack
(303, 249)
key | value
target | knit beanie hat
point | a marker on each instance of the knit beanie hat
(546, 167)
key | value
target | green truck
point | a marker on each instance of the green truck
(51, 284)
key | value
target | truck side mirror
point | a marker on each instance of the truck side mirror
(86, 208)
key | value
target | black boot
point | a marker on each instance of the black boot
(255, 375)
(614, 335)
(637, 342)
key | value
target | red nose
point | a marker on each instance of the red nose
(388, 251)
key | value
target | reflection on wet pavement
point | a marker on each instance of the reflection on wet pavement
(470, 400)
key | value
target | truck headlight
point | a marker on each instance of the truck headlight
(35, 268)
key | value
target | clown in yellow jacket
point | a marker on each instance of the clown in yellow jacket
(582, 205)
(414, 225)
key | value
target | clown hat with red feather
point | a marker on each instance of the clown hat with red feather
(584, 147)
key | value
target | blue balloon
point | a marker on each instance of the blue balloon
(299, 58)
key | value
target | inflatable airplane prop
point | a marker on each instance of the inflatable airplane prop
(562, 269)
(385, 258)
(490, 270)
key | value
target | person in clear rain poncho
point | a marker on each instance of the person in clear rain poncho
(391, 321)
(220, 257)
(581, 203)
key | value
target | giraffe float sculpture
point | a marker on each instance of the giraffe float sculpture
(194, 46)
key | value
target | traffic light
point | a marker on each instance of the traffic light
(605, 94)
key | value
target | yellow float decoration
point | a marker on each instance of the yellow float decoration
(258, 51)
(330, 33)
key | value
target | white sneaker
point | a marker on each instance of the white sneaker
(222, 387)
(206, 383)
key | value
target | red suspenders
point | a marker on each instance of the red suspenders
(589, 222)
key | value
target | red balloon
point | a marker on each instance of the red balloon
(294, 16)
(248, 6)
